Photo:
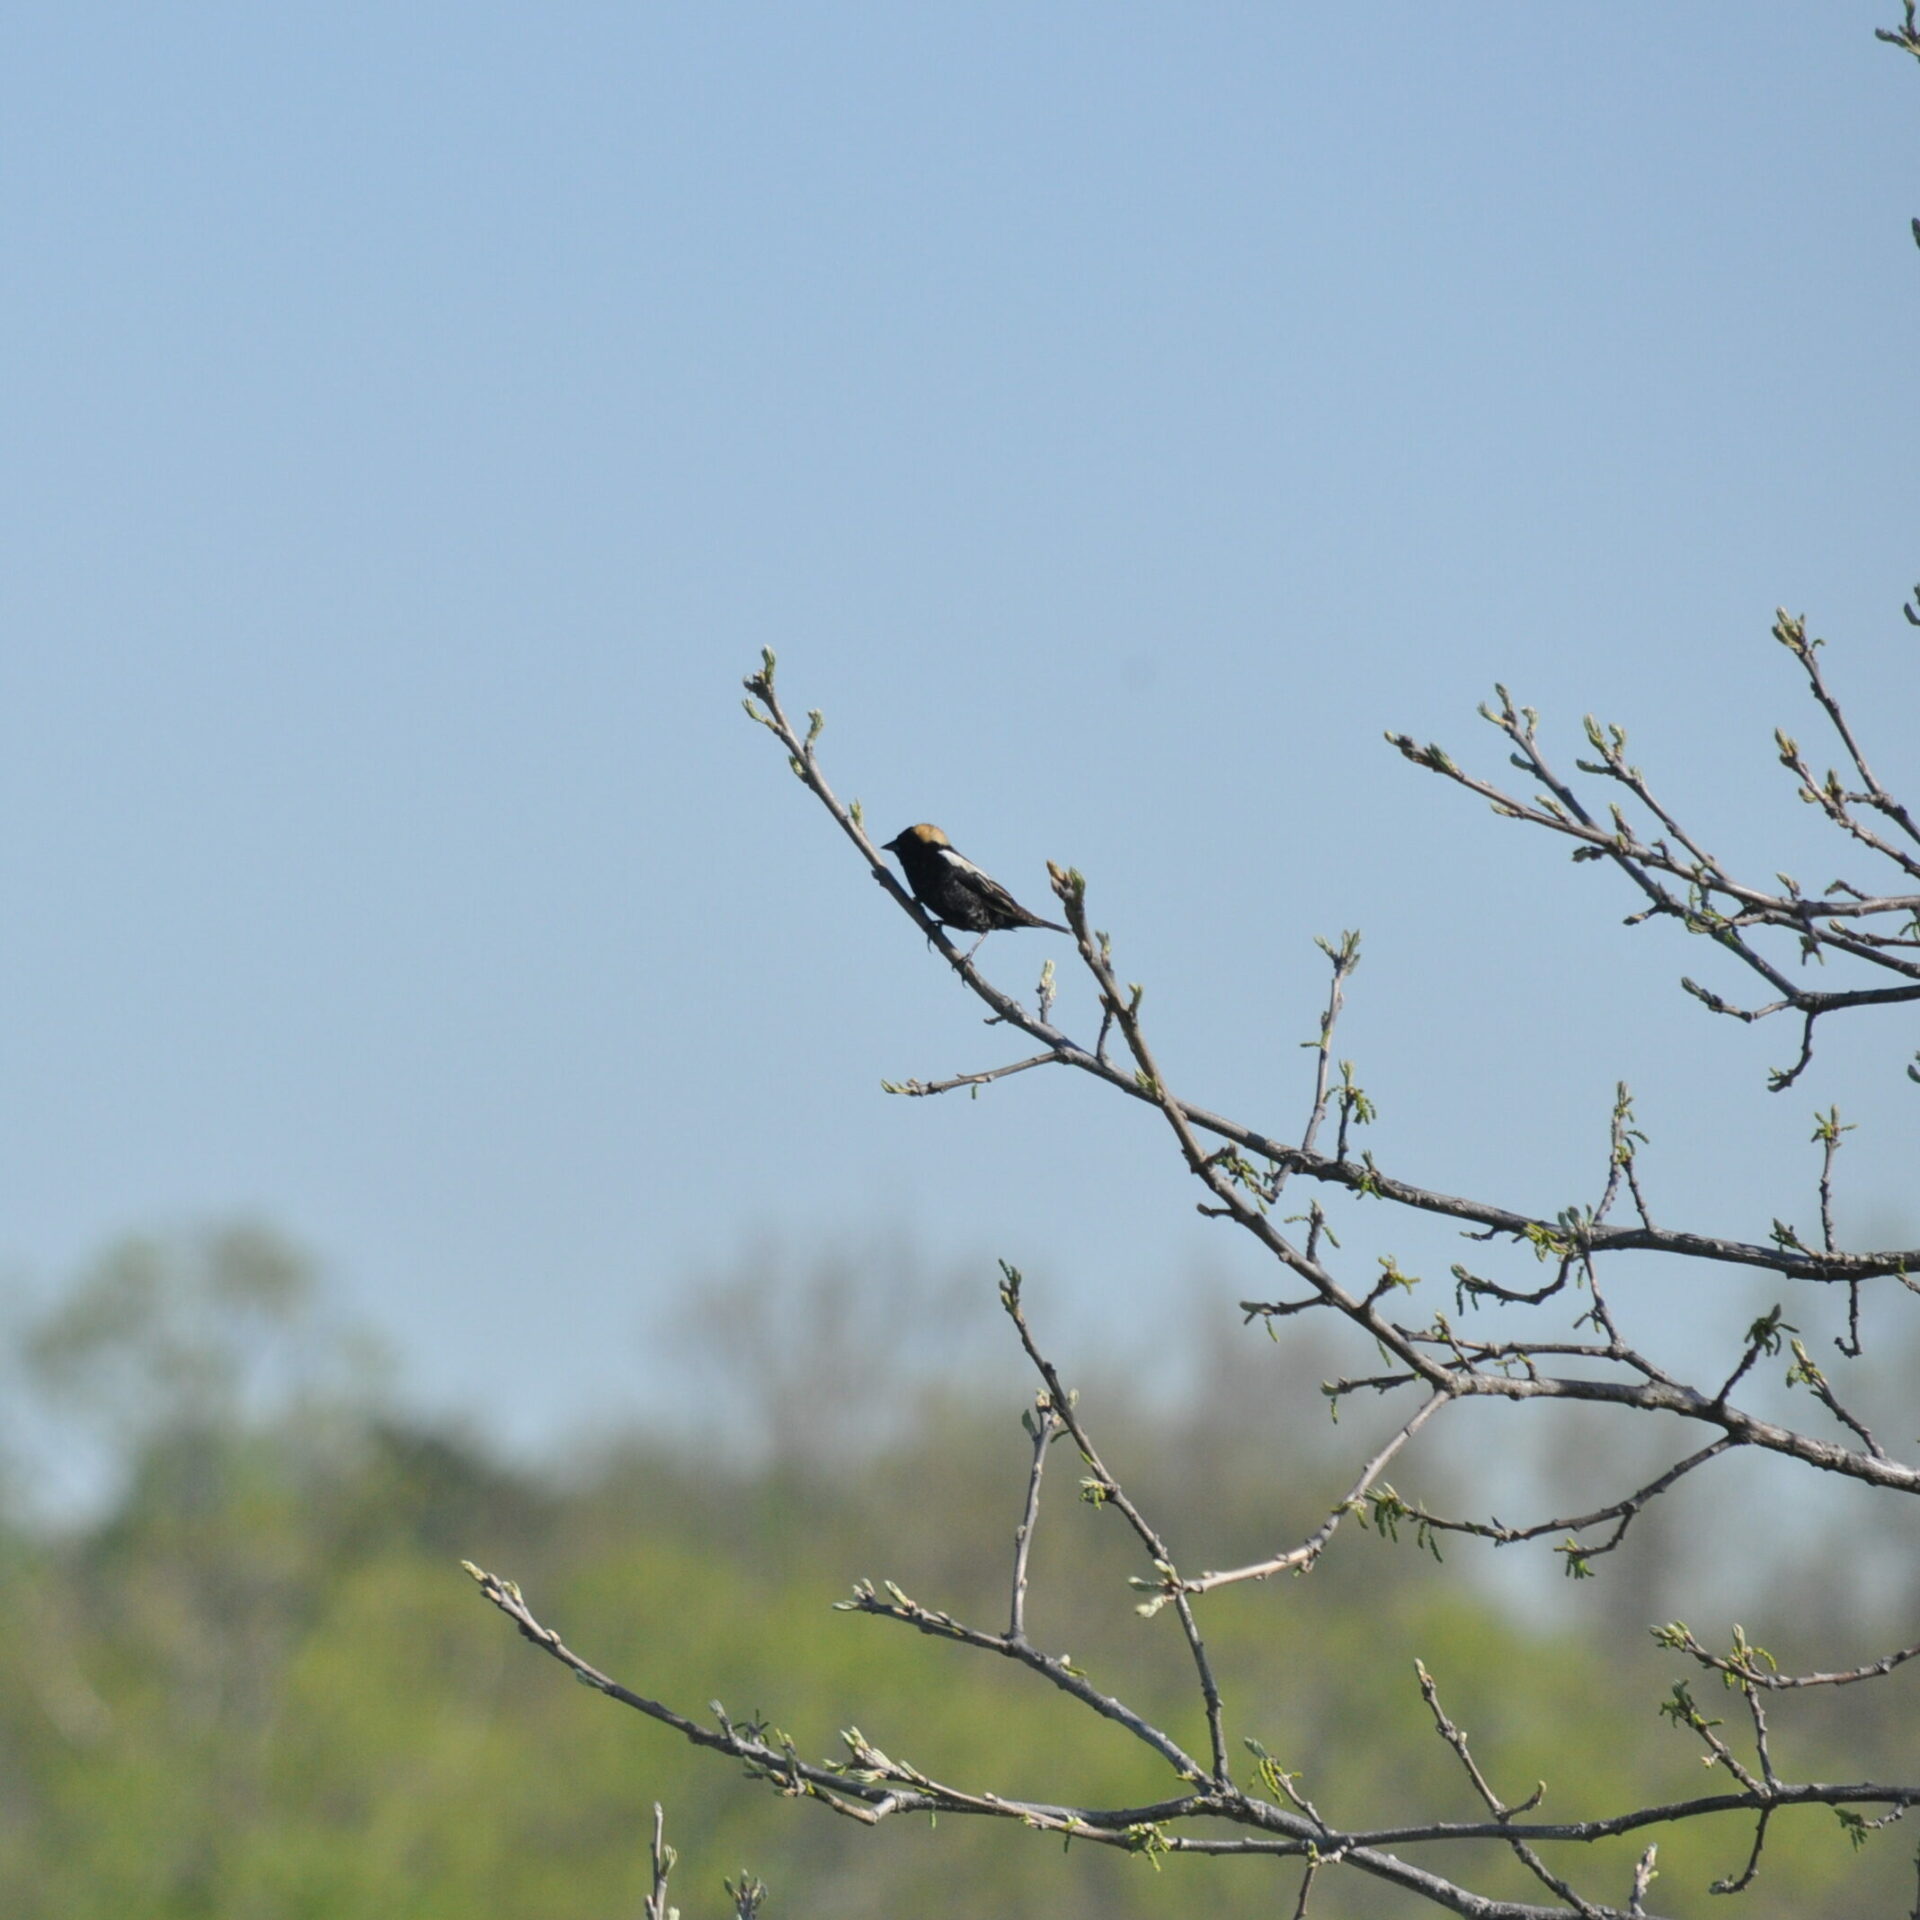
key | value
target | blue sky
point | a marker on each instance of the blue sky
(418, 420)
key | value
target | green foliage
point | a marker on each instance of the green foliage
(261, 1686)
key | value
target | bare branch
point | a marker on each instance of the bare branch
(656, 1907)
(1753, 1666)
(1105, 1490)
(1525, 1854)
(1299, 1559)
(1044, 1425)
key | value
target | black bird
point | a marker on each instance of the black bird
(954, 891)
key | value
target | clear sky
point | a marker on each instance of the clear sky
(417, 419)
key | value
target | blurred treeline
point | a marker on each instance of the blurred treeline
(254, 1684)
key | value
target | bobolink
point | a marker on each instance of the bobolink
(954, 891)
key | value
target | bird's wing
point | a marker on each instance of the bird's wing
(981, 882)
(961, 863)
(986, 884)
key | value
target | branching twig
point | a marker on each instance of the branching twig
(1751, 1666)
(656, 1907)
(1299, 1559)
(1525, 1854)
(1678, 879)
(1043, 1424)
(1107, 1491)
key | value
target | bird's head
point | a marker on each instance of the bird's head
(924, 835)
